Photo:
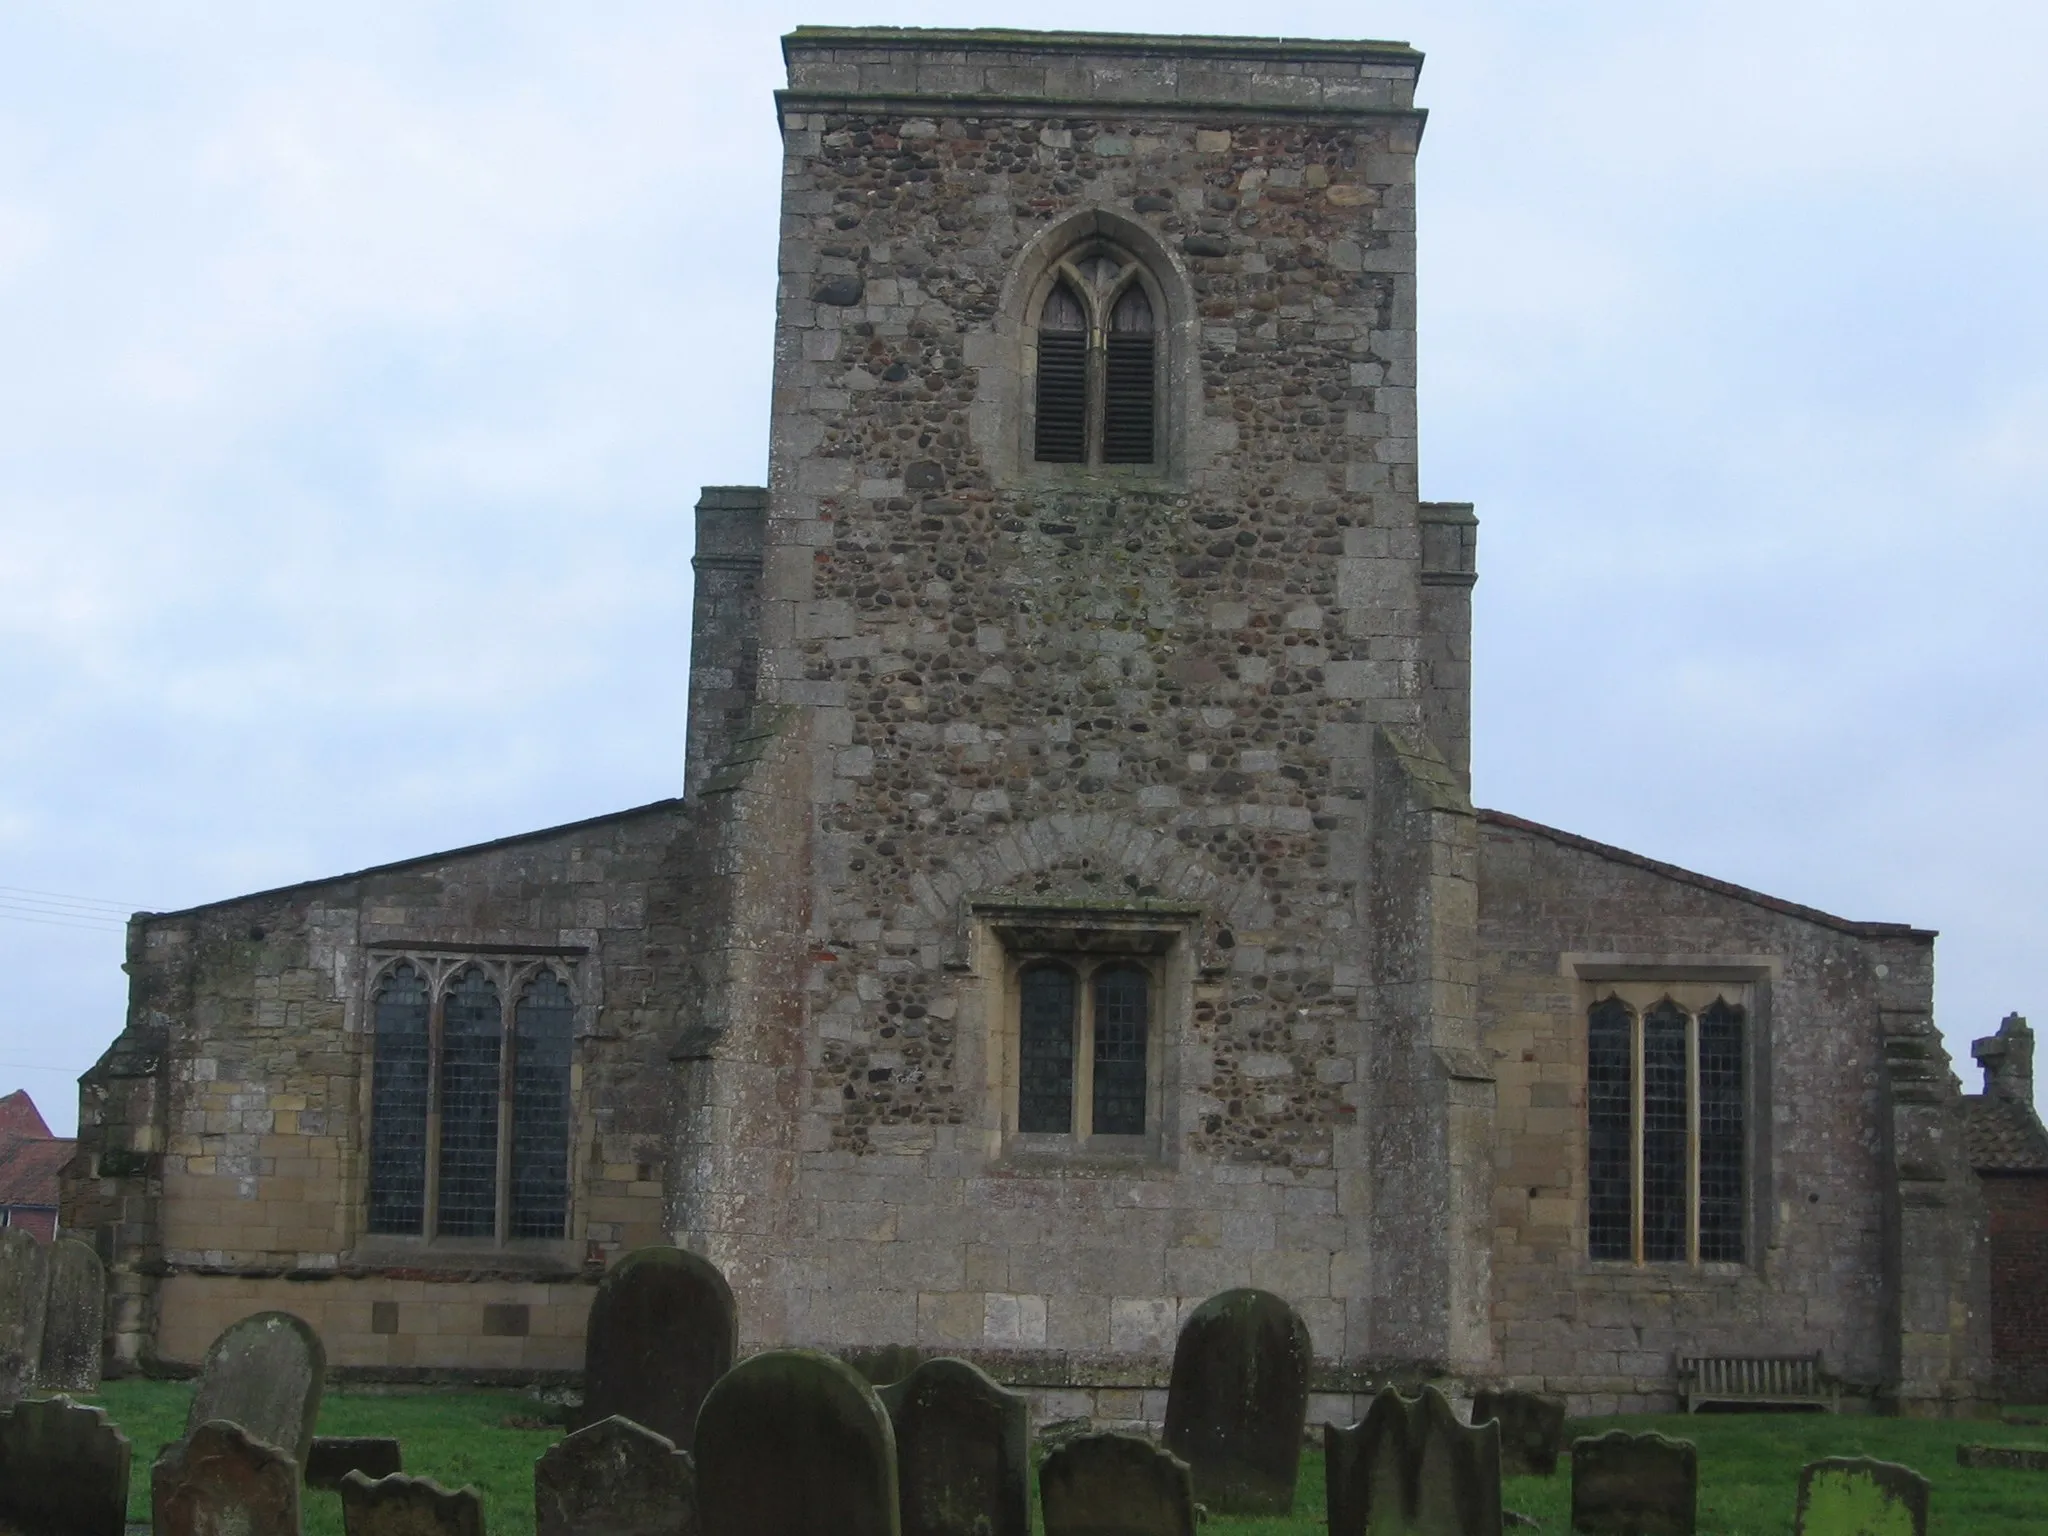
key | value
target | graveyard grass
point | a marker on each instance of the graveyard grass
(1749, 1463)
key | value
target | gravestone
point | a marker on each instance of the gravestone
(1410, 1465)
(1531, 1430)
(265, 1374)
(662, 1329)
(218, 1481)
(1238, 1400)
(1115, 1485)
(63, 1470)
(794, 1442)
(963, 1452)
(1634, 1485)
(74, 1319)
(24, 1287)
(1856, 1496)
(333, 1457)
(614, 1478)
(408, 1506)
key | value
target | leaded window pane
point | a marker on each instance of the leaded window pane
(1121, 1014)
(471, 1035)
(543, 1032)
(1664, 1132)
(398, 1103)
(1721, 1132)
(1610, 1114)
(1045, 1050)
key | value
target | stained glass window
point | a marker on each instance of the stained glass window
(1121, 1009)
(1610, 1126)
(1721, 1132)
(472, 1031)
(543, 1032)
(398, 1103)
(1045, 1050)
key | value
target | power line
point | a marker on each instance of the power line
(122, 908)
(57, 909)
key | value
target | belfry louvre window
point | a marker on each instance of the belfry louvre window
(1083, 1034)
(470, 1109)
(1666, 1110)
(1097, 390)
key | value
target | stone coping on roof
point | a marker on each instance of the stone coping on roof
(397, 865)
(1021, 40)
(1861, 930)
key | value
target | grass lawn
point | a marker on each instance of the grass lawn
(1749, 1463)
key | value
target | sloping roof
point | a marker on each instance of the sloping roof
(1608, 851)
(2004, 1135)
(29, 1169)
(20, 1117)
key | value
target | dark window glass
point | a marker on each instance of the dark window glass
(1721, 1133)
(1045, 1050)
(1664, 1133)
(543, 1028)
(1610, 1195)
(1121, 1009)
(398, 1104)
(1128, 384)
(1062, 412)
(471, 1034)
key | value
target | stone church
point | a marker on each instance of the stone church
(1075, 905)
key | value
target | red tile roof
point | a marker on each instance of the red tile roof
(19, 1117)
(29, 1169)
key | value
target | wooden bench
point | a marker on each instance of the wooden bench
(1756, 1381)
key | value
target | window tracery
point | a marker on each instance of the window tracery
(481, 1100)
(1096, 394)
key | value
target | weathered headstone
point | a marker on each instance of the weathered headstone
(74, 1319)
(614, 1478)
(264, 1373)
(408, 1506)
(795, 1443)
(1238, 1399)
(24, 1287)
(1531, 1430)
(332, 1457)
(963, 1452)
(217, 1481)
(63, 1470)
(1115, 1485)
(1856, 1496)
(662, 1329)
(1634, 1485)
(1410, 1465)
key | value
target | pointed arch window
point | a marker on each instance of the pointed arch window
(470, 1119)
(1096, 394)
(1666, 1126)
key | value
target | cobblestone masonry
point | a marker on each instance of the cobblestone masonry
(949, 705)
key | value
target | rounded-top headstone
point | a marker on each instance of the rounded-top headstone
(963, 1452)
(662, 1330)
(1238, 1400)
(24, 1287)
(795, 1443)
(264, 1373)
(75, 1321)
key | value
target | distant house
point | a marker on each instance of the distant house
(2009, 1151)
(30, 1160)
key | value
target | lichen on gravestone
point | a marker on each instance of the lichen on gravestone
(1115, 1485)
(220, 1481)
(1859, 1496)
(662, 1329)
(408, 1506)
(1411, 1466)
(614, 1478)
(74, 1319)
(1634, 1485)
(963, 1452)
(794, 1442)
(63, 1470)
(265, 1373)
(1238, 1400)
(24, 1292)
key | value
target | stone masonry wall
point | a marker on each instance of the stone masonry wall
(227, 1128)
(1143, 695)
(1555, 910)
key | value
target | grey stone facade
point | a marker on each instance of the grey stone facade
(954, 711)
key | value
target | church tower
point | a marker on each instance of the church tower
(1099, 910)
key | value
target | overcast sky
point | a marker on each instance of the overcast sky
(362, 363)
